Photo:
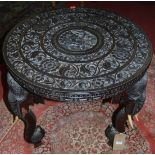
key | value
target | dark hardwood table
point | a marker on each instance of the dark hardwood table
(76, 55)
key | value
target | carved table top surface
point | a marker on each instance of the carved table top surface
(72, 54)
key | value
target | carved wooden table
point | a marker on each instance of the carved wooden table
(74, 55)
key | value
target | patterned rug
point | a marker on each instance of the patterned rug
(73, 128)
(79, 127)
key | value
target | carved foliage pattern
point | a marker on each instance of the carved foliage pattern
(77, 50)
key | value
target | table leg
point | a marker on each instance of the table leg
(136, 96)
(119, 119)
(16, 97)
(129, 105)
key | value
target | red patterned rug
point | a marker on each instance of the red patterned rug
(72, 128)
(79, 127)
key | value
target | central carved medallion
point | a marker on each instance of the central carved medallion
(77, 40)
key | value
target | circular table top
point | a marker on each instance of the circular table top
(77, 54)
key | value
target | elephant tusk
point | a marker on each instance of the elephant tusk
(136, 117)
(16, 119)
(130, 121)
